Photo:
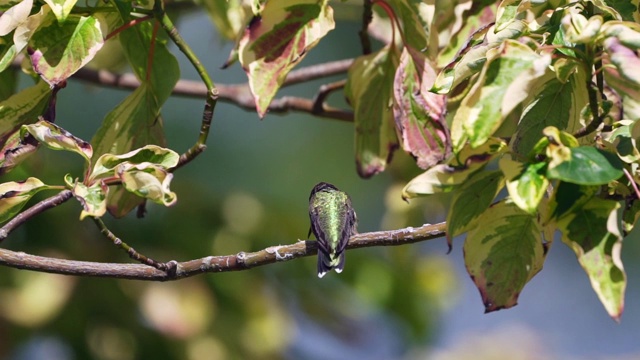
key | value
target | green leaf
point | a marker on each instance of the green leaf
(586, 165)
(568, 197)
(107, 164)
(503, 253)
(19, 109)
(526, 183)
(230, 17)
(278, 40)
(470, 200)
(61, 8)
(369, 90)
(93, 198)
(473, 57)
(165, 71)
(446, 177)
(556, 104)
(592, 232)
(419, 117)
(415, 26)
(22, 108)
(15, 195)
(61, 49)
(136, 121)
(624, 142)
(57, 138)
(131, 124)
(628, 9)
(501, 86)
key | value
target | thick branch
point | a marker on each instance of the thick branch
(213, 264)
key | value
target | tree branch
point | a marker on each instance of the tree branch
(36, 209)
(213, 264)
(238, 94)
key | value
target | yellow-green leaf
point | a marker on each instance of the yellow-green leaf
(592, 232)
(503, 253)
(15, 194)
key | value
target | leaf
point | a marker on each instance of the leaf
(15, 195)
(61, 49)
(586, 165)
(15, 16)
(57, 138)
(7, 54)
(500, 87)
(61, 8)
(149, 181)
(415, 22)
(230, 17)
(503, 253)
(278, 40)
(473, 57)
(526, 183)
(568, 197)
(628, 90)
(93, 198)
(592, 232)
(625, 59)
(470, 200)
(419, 117)
(106, 164)
(130, 124)
(369, 90)
(446, 177)
(136, 121)
(628, 9)
(22, 108)
(556, 104)
(19, 109)
(144, 173)
(164, 73)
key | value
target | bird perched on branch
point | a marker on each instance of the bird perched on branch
(333, 221)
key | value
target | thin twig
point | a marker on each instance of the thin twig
(633, 182)
(213, 264)
(36, 209)
(128, 249)
(323, 93)
(367, 16)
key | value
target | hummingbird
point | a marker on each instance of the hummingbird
(333, 221)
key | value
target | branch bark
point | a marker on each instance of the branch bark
(213, 264)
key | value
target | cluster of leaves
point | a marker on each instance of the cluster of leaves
(60, 38)
(545, 90)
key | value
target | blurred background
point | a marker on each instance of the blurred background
(250, 190)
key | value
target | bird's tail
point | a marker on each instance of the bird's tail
(327, 262)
